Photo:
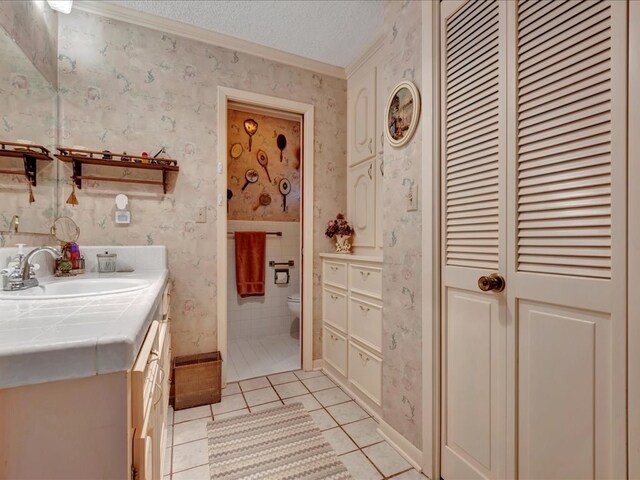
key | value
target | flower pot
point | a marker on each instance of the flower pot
(342, 244)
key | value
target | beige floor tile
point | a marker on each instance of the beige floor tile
(191, 413)
(363, 432)
(169, 435)
(260, 396)
(231, 389)
(360, 467)
(388, 461)
(308, 402)
(318, 383)
(292, 389)
(323, 420)
(410, 475)
(301, 374)
(167, 461)
(266, 406)
(331, 396)
(198, 473)
(190, 455)
(235, 413)
(347, 412)
(229, 404)
(339, 440)
(254, 384)
(189, 431)
(170, 415)
(282, 378)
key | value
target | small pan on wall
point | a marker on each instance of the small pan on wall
(402, 113)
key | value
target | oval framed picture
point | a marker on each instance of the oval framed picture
(402, 113)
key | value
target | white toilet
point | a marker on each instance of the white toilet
(294, 307)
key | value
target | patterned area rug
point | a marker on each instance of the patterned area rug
(283, 443)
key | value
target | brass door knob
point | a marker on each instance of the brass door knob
(491, 282)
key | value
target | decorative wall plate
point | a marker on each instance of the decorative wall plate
(402, 113)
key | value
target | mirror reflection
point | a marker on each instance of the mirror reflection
(28, 117)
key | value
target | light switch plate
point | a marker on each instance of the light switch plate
(412, 198)
(201, 215)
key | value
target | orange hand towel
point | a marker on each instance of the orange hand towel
(250, 263)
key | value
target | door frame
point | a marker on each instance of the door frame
(226, 95)
(633, 278)
(431, 265)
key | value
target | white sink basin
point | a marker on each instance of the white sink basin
(65, 288)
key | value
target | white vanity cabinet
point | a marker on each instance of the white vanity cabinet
(150, 399)
(365, 153)
(103, 426)
(352, 325)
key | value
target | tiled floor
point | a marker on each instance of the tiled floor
(347, 427)
(255, 357)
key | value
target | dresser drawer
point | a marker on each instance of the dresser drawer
(335, 273)
(365, 322)
(366, 280)
(335, 350)
(365, 372)
(334, 308)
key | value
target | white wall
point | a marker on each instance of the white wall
(268, 315)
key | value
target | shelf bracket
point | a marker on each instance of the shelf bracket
(164, 181)
(30, 169)
(77, 173)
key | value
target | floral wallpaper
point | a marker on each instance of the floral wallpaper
(128, 88)
(33, 26)
(245, 204)
(402, 332)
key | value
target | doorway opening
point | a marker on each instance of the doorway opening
(265, 153)
(263, 195)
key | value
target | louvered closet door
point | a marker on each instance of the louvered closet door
(474, 323)
(566, 219)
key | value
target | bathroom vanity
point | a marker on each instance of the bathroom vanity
(84, 375)
(352, 325)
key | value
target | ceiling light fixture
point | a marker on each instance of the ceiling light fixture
(62, 6)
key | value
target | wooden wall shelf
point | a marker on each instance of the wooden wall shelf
(29, 153)
(122, 160)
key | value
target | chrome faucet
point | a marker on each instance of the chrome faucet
(23, 276)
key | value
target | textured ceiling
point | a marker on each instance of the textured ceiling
(336, 32)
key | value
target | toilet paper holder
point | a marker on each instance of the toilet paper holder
(276, 264)
(283, 278)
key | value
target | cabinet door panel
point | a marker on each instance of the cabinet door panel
(361, 112)
(362, 198)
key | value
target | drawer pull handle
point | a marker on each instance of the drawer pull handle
(364, 309)
(333, 269)
(159, 390)
(335, 339)
(363, 357)
(334, 297)
(154, 356)
(364, 275)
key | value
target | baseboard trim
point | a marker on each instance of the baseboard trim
(318, 364)
(403, 446)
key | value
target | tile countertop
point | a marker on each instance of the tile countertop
(59, 339)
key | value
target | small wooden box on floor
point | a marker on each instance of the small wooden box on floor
(197, 380)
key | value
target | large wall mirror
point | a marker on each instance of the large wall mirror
(28, 115)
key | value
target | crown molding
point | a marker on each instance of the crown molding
(155, 22)
(269, 112)
(371, 51)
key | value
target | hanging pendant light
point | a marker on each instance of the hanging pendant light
(73, 200)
